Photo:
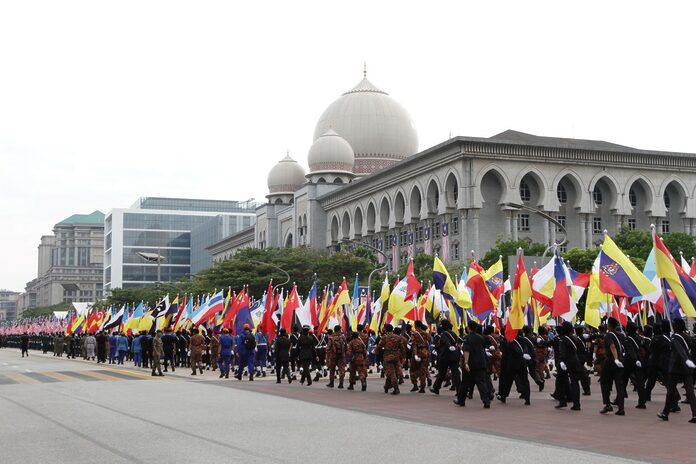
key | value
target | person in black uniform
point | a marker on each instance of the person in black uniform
(306, 354)
(613, 369)
(681, 370)
(659, 357)
(102, 340)
(281, 351)
(24, 344)
(146, 347)
(294, 337)
(529, 338)
(169, 345)
(474, 366)
(448, 355)
(570, 365)
(634, 363)
(514, 369)
(585, 357)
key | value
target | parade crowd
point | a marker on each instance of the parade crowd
(626, 358)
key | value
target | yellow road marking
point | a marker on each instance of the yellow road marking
(61, 377)
(20, 378)
(98, 375)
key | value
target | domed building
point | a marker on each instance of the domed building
(377, 127)
(331, 159)
(367, 184)
(284, 179)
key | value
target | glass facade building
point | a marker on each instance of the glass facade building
(176, 230)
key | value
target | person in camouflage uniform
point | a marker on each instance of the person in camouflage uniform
(598, 351)
(336, 357)
(214, 350)
(419, 357)
(389, 347)
(403, 346)
(157, 353)
(357, 353)
(541, 350)
(196, 344)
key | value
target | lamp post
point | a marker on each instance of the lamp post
(377, 269)
(549, 218)
(154, 258)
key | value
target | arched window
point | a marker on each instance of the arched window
(525, 193)
(597, 196)
(632, 199)
(561, 194)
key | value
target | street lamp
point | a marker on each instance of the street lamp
(154, 258)
(549, 218)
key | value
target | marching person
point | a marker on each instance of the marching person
(261, 350)
(245, 349)
(226, 347)
(24, 344)
(448, 355)
(681, 370)
(195, 346)
(419, 357)
(612, 369)
(336, 357)
(389, 347)
(357, 354)
(474, 365)
(281, 350)
(570, 366)
(306, 354)
(157, 353)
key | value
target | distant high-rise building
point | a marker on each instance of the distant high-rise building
(8, 305)
(165, 239)
(70, 263)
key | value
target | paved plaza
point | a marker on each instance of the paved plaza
(60, 410)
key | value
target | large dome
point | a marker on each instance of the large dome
(331, 153)
(285, 177)
(377, 127)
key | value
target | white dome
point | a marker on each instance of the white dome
(285, 177)
(330, 153)
(377, 127)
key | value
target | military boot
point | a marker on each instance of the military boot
(350, 386)
(396, 390)
(415, 388)
(330, 384)
(364, 386)
(340, 384)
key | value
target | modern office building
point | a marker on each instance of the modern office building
(8, 305)
(70, 264)
(165, 239)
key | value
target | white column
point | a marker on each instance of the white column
(515, 225)
(474, 215)
(588, 235)
(508, 224)
(546, 224)
(583, 230)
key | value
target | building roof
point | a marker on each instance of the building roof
(96, 217)
(521, 138)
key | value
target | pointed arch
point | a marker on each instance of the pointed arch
(358, 221)
(415, 202)
(540, 181)
(611, 183)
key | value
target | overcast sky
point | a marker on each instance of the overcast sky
(104, 102)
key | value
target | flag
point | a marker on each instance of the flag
(161, 308)
(207, 311)
(442, 281)
(521, 293)
(427, 243)
(674, 277)
(134, 320)
(618, 275)
(115, 319)
(242, 317)
(292, 304)
(482, 300)
(410, 247)
(495, 279)
(399, 305)
(395, 252)
(561, 303)
(445, 242)
(413, 285)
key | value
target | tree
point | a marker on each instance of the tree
(509, 248)
(634, 243)
(678, 242)
(581, 259)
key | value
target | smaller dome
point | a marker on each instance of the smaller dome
(331, 153)
(285, 177)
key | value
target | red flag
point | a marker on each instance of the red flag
(289, 310)
(413, 285)
(482, 300)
